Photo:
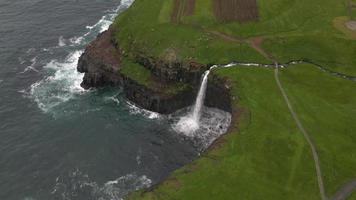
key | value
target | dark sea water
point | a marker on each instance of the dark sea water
(58, 141)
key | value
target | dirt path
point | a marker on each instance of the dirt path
(255, 43)
(305, 134)
(345, 191)
(226, 37)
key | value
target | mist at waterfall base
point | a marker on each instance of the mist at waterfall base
(58, 141)
(201, 124)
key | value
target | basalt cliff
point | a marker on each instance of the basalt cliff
(171, 84)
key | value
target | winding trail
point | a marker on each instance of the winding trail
(305, 134)
(255, 43)
(345, 191)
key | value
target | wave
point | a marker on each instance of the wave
(102, 25)
(77, 184)
(61, 85)
(61, 41)
(30, 67)
(140, 111)
(63, 81)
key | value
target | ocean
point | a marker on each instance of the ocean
(58, 141)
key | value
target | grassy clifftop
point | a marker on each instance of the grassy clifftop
(196, 30)
(264, 156)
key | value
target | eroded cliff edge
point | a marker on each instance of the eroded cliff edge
(162, 85)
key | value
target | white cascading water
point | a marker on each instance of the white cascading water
(190, 123)
(199, 102)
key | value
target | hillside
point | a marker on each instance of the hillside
(293, 134)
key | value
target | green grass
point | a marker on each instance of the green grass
(352, 197)
(327, 108)
(334, 53)
(136, 72)
(339, 23)
(264, 156)
(146, 29)
(143, 76)
(292, 29)
(267, 159)
(165, 12)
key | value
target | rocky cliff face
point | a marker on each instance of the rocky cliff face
(101, 64)
(172, 70)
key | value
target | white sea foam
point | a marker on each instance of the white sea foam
(139, 156)
(61, 41)
(63, 81)
(140, 111)
(30, 50)
(102, 25)
(31, 67)
(29, 198)
(76, 183)
(113, 99)
(61, 85)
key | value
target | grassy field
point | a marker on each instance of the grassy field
(264, 156)
(291, 29)
(327, 108)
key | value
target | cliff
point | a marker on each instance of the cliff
(162, 85)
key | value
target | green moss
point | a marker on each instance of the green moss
(136, 72)
(143, 76)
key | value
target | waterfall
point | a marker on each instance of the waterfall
(190, 123)
(199, 101)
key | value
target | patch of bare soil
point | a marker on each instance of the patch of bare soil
(236, 10)
(351, 25)
(256, 43)
(182, 8)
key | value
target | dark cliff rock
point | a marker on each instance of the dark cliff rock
(218, 94)
(101, 64)
(173, 70)
(156, 101)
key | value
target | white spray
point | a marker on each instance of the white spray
(190, 123)
(199, 102)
